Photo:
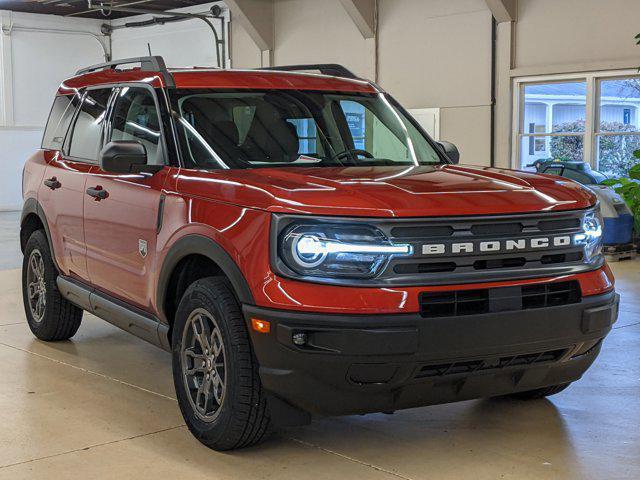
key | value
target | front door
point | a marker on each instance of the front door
(121, 227)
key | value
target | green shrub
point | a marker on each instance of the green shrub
(629, 189)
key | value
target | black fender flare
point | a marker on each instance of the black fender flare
(32, 206)
(201, 245)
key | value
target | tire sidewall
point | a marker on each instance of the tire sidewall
(200, 298)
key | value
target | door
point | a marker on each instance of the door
(121, 223)
(63, 191)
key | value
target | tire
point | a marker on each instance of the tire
(540, 392)
(49, 315)
(219, 393)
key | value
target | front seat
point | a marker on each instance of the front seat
(271, 139)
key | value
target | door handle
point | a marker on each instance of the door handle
(97, 192)
(52, 183)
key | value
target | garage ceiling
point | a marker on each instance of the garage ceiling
(80, 8)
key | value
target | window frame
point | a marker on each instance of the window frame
(163, 149)
(72, 126)
(173, 96)
(108, 130)
(591, 132)
(71, 120)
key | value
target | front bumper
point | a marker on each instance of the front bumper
(352, 364)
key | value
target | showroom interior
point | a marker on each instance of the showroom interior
(512, 83)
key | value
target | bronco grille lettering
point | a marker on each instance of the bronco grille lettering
(495, 246)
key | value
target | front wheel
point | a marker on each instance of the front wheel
(215, 371)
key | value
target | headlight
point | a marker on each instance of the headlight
(337, 250)
(591, 236)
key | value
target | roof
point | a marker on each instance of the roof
(217, 78)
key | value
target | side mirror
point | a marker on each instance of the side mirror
(124, 157)
(451, 151)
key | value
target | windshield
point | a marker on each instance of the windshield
(279, 128)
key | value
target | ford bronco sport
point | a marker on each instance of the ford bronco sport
(302, 246)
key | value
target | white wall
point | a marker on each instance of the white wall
(181, 44)
(557, 33)
(32, 65)
(16, 145)
(431, 54)
(557, 37)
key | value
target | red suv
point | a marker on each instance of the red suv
(302, 246)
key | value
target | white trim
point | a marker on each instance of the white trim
(592, 111)
(577, 68)
(21, 127)
(6, 72)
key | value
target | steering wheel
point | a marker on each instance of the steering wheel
(350, 151)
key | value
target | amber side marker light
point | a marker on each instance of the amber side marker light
(261, 326)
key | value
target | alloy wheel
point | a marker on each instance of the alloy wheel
(203, 364)
(37, 288)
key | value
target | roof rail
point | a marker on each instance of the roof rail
(333, 69)
(147, 64)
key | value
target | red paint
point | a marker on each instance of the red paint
(445, 190)
(98, 241)
(220, 79)
(292, 295)
(113, 229)
(109, 76)
(267, 80)
(64, 212)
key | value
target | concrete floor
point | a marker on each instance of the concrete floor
(103, 406)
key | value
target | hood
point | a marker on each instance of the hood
(407, 191)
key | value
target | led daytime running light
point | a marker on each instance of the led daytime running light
(312, 245)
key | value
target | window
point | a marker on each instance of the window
(86, 139)
(553, 122)
(135, 117)
(380, 132)
(64, 106)
(307, 132)
(354, 113)
(274, 128)
(590, 117)
(617, 132)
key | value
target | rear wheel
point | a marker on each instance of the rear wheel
(215, 371)
(540, 392)
(49, 315)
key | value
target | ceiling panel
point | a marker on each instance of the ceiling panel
(79, 8)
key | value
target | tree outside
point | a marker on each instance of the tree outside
(615, 152)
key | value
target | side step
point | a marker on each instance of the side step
(117, 313)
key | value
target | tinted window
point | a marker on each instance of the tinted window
(62, 111)
(135, 117)
(278, 128)
(86, 139)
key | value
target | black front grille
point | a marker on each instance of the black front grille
(516, 256)
(491, 300)
(451, 304)
(493, 363)
(550, 295)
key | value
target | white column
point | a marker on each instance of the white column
(590, 152)
(6, 71)
(548, 127)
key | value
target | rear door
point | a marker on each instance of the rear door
(63, 192)
(121, 229)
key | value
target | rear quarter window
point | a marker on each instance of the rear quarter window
(62, 111)
(86, 137)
